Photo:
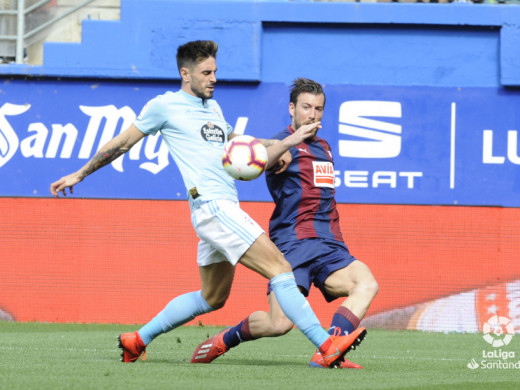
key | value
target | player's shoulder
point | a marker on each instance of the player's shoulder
(169, 97)
(162, 99)
(323, 142)
(170, 102)
(154, 107)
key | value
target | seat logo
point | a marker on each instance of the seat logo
(371, 138)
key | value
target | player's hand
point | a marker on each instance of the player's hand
(64, 183)
(282, 163)
(306, 131)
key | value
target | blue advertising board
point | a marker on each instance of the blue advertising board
(391, 145)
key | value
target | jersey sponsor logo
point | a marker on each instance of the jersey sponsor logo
(371, 138)
(212, 133)
(323, 174)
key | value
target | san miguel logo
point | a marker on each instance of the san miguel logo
(8, 139)
(212, 133)
(67, 141)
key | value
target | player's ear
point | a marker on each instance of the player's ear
(185, 74)
(291, 109)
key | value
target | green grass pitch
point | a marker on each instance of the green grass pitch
(76, 356)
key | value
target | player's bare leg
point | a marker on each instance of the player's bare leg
(217, 280)
(274, 323)
(216, 287)
(355, 282)
(264, 258)
(266, 267)
(358, 284)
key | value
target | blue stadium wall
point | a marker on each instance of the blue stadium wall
(422, 99)
(422, 109)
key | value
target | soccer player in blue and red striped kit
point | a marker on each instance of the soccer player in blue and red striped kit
(305, 227)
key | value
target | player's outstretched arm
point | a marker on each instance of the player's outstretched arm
(114, 148)
(276, 149)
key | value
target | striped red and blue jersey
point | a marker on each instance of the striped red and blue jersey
(304, 194)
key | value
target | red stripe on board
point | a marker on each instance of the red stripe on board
(122, 261)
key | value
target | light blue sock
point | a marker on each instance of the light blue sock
(297, 309)
(179, 311)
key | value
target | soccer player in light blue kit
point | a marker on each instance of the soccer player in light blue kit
(195, 131)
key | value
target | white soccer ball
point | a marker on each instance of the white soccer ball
(244, 158)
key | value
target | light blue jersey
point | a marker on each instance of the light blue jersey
(195, 133)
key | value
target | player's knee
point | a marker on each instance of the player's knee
(216, 301)
(278, 264)
(285, 266)
(282, 263)
(369, 288)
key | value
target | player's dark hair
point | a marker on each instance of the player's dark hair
(303, 85)
(195, 52)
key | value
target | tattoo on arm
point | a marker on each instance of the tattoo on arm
(267, 142)
(103, 158)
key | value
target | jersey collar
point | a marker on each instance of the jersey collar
(194, 99)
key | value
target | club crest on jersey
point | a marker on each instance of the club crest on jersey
(212, 133)
(217, 112)
(323, 174)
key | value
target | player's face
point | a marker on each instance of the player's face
(200, 79)
(308, 109)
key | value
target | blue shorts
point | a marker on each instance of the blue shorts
(322, 257)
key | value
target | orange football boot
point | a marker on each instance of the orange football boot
(317, 361)
(210, 349)
(132, 346)
(340, 345)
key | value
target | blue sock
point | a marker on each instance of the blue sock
(179, 311)
(297, 309)
(345, 320)
(238, 334)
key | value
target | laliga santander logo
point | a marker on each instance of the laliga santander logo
(498, 331)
